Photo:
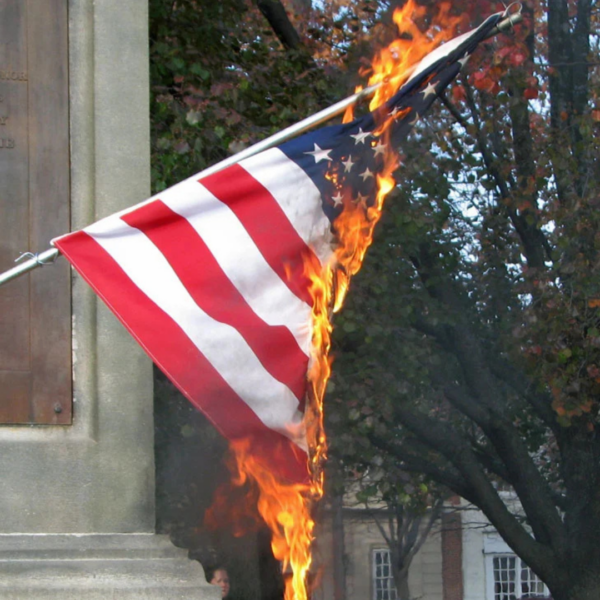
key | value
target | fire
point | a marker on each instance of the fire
(286, 508)
(394, 64)
(390, 70)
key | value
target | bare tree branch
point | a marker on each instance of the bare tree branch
(275, 14)
(440, 437)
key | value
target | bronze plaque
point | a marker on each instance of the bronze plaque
(35, 330)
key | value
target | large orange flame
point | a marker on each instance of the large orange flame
(287, 508)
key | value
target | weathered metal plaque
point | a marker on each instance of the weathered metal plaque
(35, 329)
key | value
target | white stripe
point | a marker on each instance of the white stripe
(297, 195)
(292, 188)
(222, 345)
(443, 51)
(437, 54)
(266, 294)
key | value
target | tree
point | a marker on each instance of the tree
(469, 349)
(404, 509)
(224, 76)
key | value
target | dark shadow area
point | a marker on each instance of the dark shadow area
(190, 466)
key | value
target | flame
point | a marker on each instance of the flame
(394, 64)
(287, 508)
(390, 69)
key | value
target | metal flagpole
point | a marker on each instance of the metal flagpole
(34, 260)
(50, 255)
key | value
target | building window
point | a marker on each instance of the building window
(513, 580)
(384, 587)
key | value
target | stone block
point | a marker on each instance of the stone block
(99, 567)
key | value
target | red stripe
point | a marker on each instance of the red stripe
(267, 225)
(171, 349)
(202, 276)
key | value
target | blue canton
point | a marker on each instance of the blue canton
(344, 160)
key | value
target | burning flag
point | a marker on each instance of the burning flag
(227, 280)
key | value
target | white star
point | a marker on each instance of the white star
(360, 137)
(366, 174)
(430, 89)
(337, 199)
(319, 154)
(360, 199)
(394, 112)
(379, 148)
(348, 165)
(463, 60)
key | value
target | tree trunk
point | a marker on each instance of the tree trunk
(583, 586)
(275, 14)
(401, 581)
(337, 534)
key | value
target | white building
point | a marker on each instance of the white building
(463, 558)
(491, 570)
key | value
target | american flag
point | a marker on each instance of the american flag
(209, 277)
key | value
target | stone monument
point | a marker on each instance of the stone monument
(76, 424)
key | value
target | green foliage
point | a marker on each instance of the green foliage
(220, 82)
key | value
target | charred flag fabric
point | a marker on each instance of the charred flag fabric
(208, 275)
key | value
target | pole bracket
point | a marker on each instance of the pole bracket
(40, 259)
